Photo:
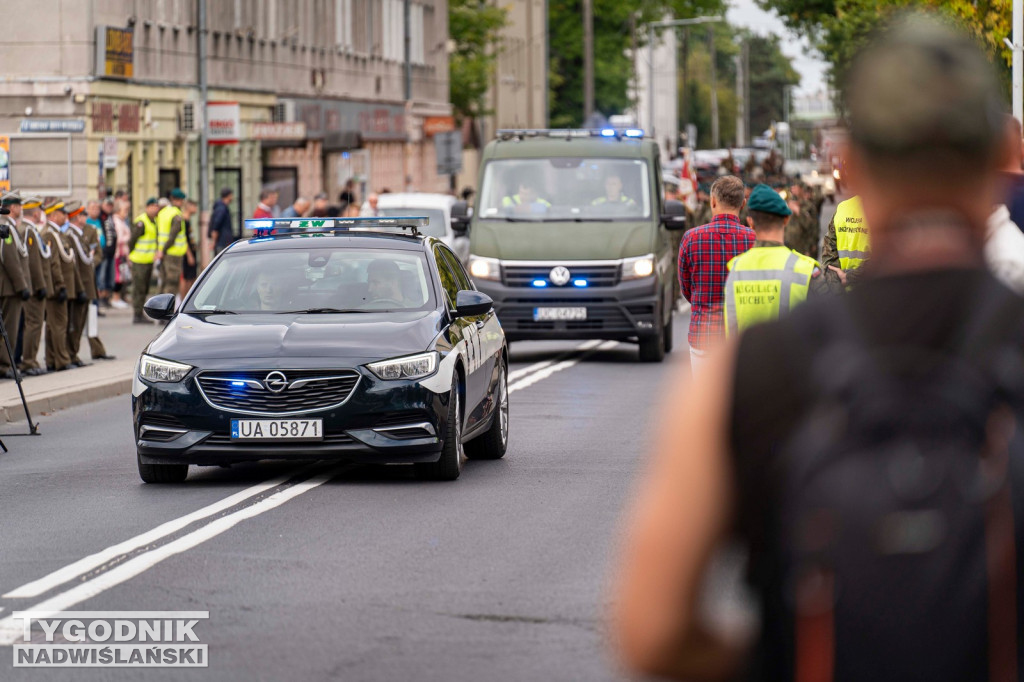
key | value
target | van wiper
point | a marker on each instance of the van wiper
(318, 311)
(513, 219)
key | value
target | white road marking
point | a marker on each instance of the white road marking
(11, 633)
(94, 561)
(523, 371)
(546, 372)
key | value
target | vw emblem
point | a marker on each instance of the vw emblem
(560, 276)
(276, 382)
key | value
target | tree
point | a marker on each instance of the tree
(837, 28)
(771, 72)
(617, 24)
(474, 27)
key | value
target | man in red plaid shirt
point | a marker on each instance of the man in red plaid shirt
(703, 255)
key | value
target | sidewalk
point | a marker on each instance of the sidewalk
(97, 381)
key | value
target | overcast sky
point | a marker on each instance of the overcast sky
(806, 62)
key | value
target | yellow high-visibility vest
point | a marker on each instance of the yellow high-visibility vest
(145, 248)
(516, 200)
(163, 231)
(765, 283)
(851, 234)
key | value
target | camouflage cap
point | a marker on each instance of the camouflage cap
(923, 85)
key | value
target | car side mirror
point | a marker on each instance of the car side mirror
(460, 218)
(674, 217)
(472, 303)
(160, 307)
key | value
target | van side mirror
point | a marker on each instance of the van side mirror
(471, 303)
(674, 217)
(160, 307)
(460, 218)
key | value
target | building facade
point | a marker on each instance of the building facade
(518, 93)
(304, 94)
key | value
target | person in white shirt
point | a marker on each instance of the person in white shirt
(1004, 249)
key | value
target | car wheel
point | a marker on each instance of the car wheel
(494, 442)
(161, 473)
(453, 454)
(652, 348)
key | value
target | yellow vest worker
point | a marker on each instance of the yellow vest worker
(851, 235)
(145, 248)
(767, 281)
(163, 231)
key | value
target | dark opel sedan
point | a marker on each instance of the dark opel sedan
(325, 343)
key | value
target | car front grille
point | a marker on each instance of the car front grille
(246, 392)
(595, 275)
(329, 439)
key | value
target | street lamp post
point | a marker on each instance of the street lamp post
(651, 27)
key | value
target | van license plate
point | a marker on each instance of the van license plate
(277, 429)
(556, 314)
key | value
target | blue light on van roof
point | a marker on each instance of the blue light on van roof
(608, 132)
(540, 283)
(580, 283)
(634, 132)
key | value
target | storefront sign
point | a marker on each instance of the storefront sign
(114, 52)
(5, 163)
(109, 152)
(432, 125)
(374, 122)
(223, 122)
(32, 125)
(277, 131)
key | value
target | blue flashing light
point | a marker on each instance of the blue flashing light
(238, 384)
(539, 283)
(608, 132)
(581, 283)
(634, 132)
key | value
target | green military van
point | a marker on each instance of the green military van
(572, 238)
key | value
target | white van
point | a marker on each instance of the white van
(437, 207)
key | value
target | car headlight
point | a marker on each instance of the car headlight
(484, 268)
(156, 369)
(409, 367)
(636, 268)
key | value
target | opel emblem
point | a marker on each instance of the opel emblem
(559, 276)
(276, 382)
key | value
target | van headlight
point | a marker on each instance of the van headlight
(484, 268)
(156, 369)
(638, 268)
(409, 367)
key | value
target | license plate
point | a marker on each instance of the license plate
(277, 429)
(555, 314)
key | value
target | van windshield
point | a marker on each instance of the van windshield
(565, 188)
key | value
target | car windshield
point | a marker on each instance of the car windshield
(436, 228)
(565, 188)
(318, 280)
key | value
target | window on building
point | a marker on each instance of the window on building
(343, 24)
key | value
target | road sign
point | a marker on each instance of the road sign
(109, 151)
(449, 152)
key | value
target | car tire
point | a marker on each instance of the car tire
(453, 454)
(652, 348)
(161, 473)
(494, 442)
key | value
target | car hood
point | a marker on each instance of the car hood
(295, 340)
(561, 240)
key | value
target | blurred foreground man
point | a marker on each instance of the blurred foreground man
(862, 448)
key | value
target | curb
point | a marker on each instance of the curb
(13, 411)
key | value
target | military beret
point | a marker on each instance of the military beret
(176, 193)
(767, 200)
(152, 201)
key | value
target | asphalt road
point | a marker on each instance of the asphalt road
(350, 573)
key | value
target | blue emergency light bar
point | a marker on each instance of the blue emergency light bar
(275, 227)
(617, 133)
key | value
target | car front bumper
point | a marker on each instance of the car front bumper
(174, 424)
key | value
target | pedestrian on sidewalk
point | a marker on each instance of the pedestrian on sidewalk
(171, 243)
(703, 256)
(268, 200)
(297, 209)
(189, 269)
(66, 282)
(220, 231)
(142, 255)
(862, 449)
(122, 232)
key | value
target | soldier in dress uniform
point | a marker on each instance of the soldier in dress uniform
(57, 357)
(42, 267)
(15, 283)
(85, 242)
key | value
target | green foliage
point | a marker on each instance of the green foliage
(475, 27)
(614, 22)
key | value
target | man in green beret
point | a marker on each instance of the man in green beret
(767, 281)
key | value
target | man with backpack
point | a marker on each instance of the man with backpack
(862, 448)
